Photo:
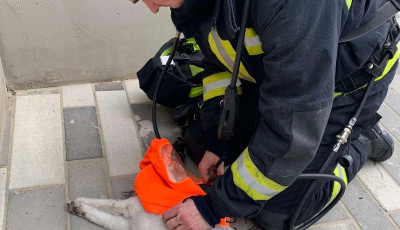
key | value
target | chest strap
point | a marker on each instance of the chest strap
(360, 78)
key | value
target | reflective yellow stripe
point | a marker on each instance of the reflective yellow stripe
(194, 43)
(218, 92)
(252, 42)
(239, 182)
(254, 50)
(226, 54)
(388, 67)
(339, 172)
(195, 69)
(258, 175)
(196, 91)
(216, 77)
(250, 33)
(349, 2)
(215, 85)
(252, 181)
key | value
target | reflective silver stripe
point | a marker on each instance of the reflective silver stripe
(252, 41)
(221, 49)
(219, 84)
(251, 182)
(340, 169)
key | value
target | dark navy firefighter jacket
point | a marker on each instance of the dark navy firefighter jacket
(287, 79)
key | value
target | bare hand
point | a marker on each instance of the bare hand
(185, 216)
(154, 5)
(207, 167)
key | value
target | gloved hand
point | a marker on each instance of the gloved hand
(207, 167)
(185, 216)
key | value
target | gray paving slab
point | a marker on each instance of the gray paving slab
(396, 218)
(37, 148)
(336, 214)
(5, 139)
(167, 127)
(381, 185)
(3, 185)
(82, 136)
(390, 120)
(37, 209)
(122, 185)
(109, 86)
(393, 100)
(396, 81)
(87, 178)
(392, 165)
(364, 209)
(78, 223)
(135, 94)
(335, 226)
(78, 96)
(121, 140)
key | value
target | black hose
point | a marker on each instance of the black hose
(239, 47)
(312, 221)
(166, 67)
(323, 168)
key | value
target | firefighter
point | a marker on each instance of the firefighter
(298, 88)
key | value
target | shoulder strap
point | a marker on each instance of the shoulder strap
(386, 12)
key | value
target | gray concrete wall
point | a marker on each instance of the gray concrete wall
(56, 42)
(3, 98)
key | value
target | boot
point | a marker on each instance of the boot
(378, 142)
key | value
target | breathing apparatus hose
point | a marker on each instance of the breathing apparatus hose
(321, 176)
(164, 71)
(341, 140)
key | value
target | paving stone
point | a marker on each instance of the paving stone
(82, 136)
(396, 81)
(109, 86)
(335, 226)
(392, 165)
(50, 90)
(122, 185)
(393, 100)
(363, 208)
(37, 152)
(78, 96)
(167, 127)
(3, 184)
(119, 133)
(5, 140)
(396, 218)
(336, 214)
(135, 94)
(38, 209)
(381, 185)
(86, 179)
(390, 120)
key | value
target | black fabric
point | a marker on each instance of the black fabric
(201, 205)
(302, 60)
(192, 14)
(226, 23)
(174, 89)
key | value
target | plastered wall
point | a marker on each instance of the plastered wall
(57, 42)
(3, 98)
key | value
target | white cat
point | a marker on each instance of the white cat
(118, 214)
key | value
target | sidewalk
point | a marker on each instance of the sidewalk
(87, 140)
